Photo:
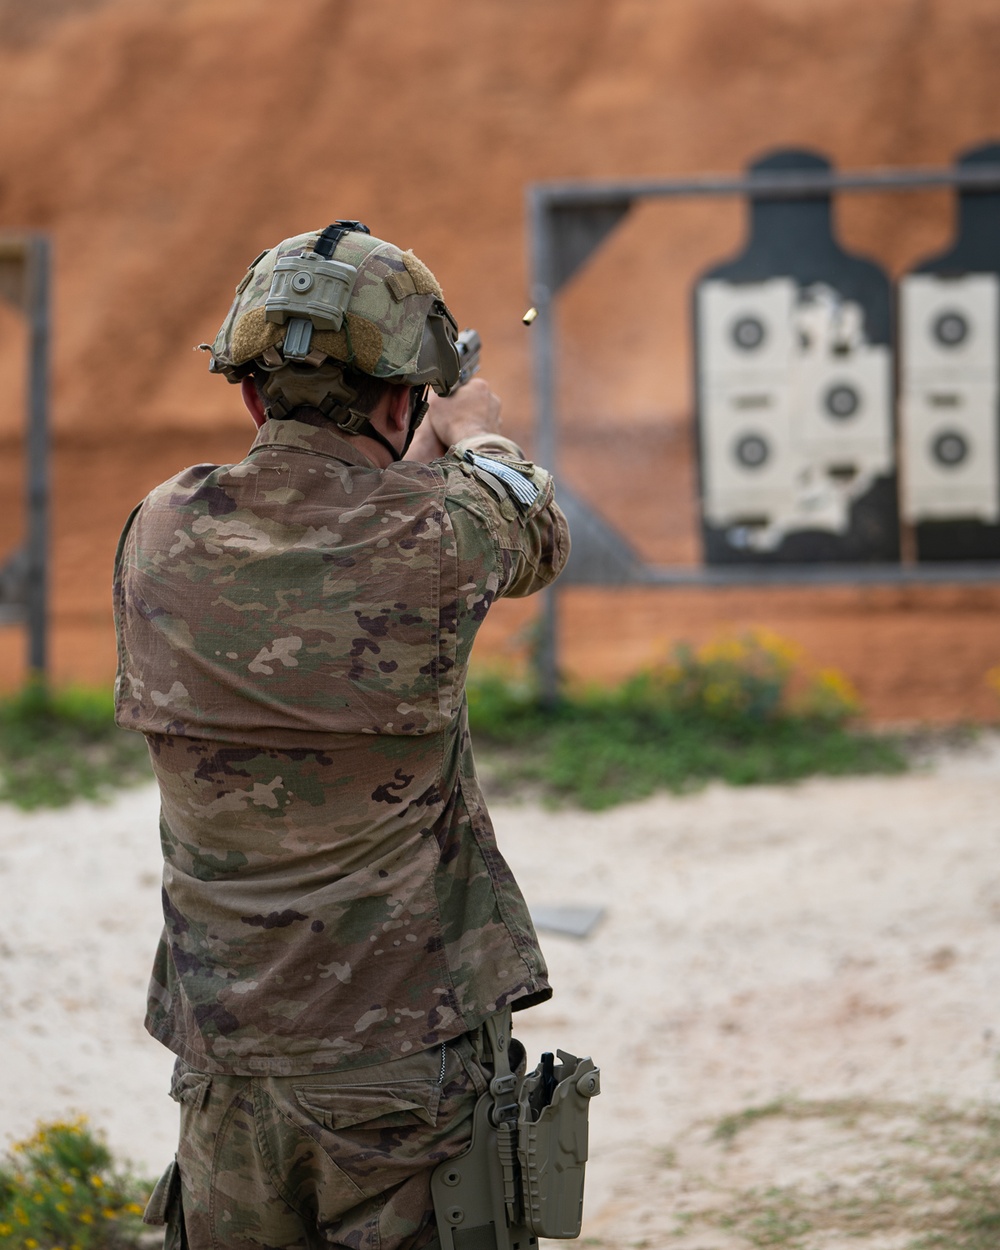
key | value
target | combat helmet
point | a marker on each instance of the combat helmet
(333, 300)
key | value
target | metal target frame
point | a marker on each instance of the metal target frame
(25, 268)
(567, 222)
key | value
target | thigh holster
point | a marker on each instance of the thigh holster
(521, 1177)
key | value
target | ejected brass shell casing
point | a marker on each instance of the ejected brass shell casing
(529, 316)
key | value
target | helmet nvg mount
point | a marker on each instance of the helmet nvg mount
(320, 302)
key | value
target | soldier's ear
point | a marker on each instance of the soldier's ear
(398, 409)
(252, 400)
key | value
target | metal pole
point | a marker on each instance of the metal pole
(543, 335)
(36, 588)
(772, 184)
(761, 575)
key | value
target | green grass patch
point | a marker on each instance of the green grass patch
(745, 711)
(57, 746)
(730, 1126)
(742, 712)
(922, 1178)
(61, 1190)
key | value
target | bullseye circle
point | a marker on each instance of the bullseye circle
(748, 333)
(950, 449)
(951, 328)
(752, 451)
(842, 401)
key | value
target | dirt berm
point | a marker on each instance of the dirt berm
(164, 143)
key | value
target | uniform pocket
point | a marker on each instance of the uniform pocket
(166, 1191)
(371, 1106)
(165, 1209)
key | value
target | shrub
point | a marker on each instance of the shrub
(743, 710)
(748, 682)
(60, 1190)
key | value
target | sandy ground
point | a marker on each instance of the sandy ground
(832, 939)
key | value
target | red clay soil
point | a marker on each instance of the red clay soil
(164, 143)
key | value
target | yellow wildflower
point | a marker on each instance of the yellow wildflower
(783, 649)
(832, 681)
(669, 673)
(722, 651)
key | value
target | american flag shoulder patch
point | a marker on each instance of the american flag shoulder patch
(522, 489)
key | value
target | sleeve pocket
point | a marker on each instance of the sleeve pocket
(190, 1087)
(371, 1106)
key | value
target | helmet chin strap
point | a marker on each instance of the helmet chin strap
(418, 410)
(369, 431)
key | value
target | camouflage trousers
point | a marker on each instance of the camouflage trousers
(332, 1159)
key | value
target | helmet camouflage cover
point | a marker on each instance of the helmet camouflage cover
(392, 322)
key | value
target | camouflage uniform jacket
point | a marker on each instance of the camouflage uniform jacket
(293, 635)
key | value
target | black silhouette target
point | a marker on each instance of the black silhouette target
(790, 239)
(954, 450)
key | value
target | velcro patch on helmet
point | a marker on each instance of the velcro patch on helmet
(365, 339)
(423, 280)
(401, 285)
(253, 334)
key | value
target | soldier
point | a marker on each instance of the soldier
(294, 633)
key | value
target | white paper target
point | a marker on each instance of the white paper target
(745, 331)
(950, 452)
(949, 328)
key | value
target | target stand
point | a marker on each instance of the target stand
(798, 464)
(24, 283)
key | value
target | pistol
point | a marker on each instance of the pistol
(469, 345)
